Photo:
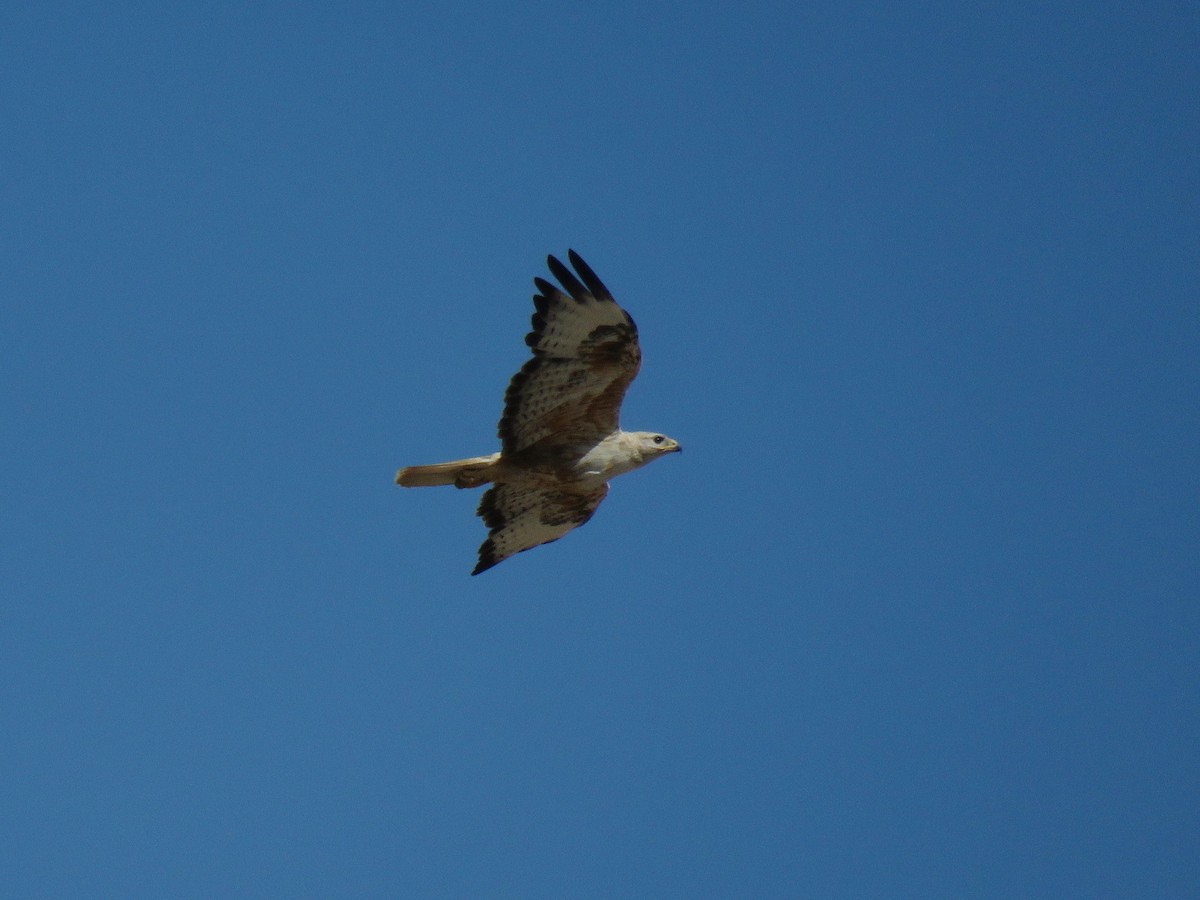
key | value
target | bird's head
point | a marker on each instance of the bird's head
(650, 444)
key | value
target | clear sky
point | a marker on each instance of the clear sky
(915, 614)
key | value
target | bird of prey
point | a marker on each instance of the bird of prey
(560, 438)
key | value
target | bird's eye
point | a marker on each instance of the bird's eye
(658, 439)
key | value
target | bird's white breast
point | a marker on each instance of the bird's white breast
(613, 456)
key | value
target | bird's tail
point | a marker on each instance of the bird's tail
(461, 473)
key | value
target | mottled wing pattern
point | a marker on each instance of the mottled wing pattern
(520, 517)
(585, 354)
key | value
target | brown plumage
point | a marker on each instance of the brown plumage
(560, 433)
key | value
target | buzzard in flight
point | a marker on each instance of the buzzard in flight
(560, 440)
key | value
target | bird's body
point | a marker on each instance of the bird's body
(578, 466)
(560, 438)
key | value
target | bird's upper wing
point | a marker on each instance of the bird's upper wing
(585, 354)
(519, 517)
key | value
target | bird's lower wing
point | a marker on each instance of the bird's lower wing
(520, 517)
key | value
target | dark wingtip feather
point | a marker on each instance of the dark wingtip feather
(487, 557)
(567, 278)
(556, 268)
(546, 289)
(594, 284)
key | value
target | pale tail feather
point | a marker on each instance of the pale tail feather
(460, 472)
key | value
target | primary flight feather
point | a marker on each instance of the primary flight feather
(560, 434)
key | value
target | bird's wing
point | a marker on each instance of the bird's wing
(519, 517)
(585, 354)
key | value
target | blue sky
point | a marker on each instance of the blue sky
(914, 615)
